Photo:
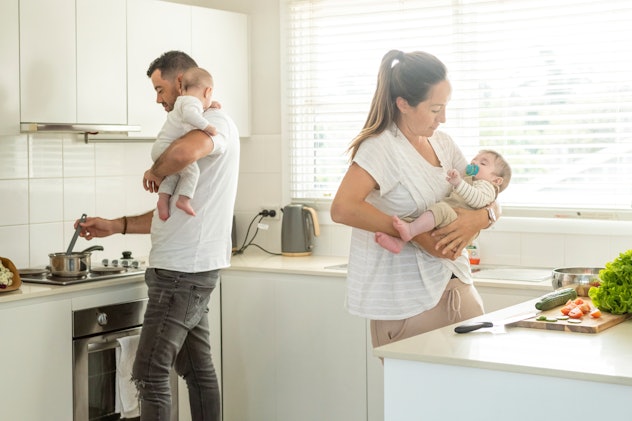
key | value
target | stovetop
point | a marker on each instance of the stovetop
(43, 276)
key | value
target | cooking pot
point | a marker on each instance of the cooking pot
(582, 278)
(71, 265)
(299, 226)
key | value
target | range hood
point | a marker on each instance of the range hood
(105, 132)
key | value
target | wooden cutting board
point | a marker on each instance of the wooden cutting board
(588, 324)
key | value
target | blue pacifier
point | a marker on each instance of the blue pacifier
(471, 169)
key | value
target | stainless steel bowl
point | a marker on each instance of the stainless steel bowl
(582, 278)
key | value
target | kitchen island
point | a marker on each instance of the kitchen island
(509, 373)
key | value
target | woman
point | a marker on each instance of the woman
(398, 167)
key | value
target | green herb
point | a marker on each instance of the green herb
(615, 292)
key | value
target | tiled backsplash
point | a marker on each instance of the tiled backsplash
(48, 181)
(511, 241)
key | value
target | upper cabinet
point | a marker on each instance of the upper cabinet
(217, 41)
(10, 75)
(84, 62)
(72, 61)
(101, 62)
(48, 83)
(153, 28)
(220, 45)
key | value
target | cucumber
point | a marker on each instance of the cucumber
(556, 298)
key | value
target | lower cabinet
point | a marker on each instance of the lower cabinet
(36, 360)
(290, 349)
(496, 298)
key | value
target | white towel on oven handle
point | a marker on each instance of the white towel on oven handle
(126, 393)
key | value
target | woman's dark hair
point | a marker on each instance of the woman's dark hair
(406, 75)
(171, 64)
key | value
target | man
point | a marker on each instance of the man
(186, 255)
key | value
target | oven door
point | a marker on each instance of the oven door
(94, 378)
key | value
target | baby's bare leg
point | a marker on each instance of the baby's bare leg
(184, 203)
(163, 206)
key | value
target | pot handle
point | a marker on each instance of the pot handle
(93, 248)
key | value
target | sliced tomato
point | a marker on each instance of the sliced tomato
(595, 313)
(578, 301)
(585, 308)
(576, 313)
(565, 310)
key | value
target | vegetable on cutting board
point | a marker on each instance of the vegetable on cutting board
(614, 294)
(556, 298)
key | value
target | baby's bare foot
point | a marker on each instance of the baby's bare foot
(390, 243)
(403, 228)
(163, 206)
(184, 203)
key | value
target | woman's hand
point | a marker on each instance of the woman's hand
(453, 238)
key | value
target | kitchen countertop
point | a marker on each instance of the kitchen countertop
(31, 290)
(254, 261)
(600, 357)
(331, 266)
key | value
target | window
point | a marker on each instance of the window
(546, 83)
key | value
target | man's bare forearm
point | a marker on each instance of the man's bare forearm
(182, 152)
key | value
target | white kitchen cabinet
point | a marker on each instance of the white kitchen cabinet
(10, 75)
(220, 45)
(101, 62)
(72, 61)
(36, 356)
(48, 84)
(290, 349)
(506, 295)
(153, 27)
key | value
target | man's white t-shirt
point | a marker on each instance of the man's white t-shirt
(200, 243)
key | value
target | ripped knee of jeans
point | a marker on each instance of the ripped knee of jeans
(139, 383)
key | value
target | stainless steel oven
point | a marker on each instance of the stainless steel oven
(96, 334)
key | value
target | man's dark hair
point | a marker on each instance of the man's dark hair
(171, 64)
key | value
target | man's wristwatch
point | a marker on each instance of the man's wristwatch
(491, 215)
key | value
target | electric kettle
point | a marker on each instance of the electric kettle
(298, 229)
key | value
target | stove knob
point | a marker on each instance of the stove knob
(105, 262)
(102, 319)
(115, 263)
(135, 264)
(127, 255)
(125, 263)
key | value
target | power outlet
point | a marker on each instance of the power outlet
(270, 210)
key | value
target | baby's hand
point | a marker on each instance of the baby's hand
(215, 104)
(453, 177)
(211, 130)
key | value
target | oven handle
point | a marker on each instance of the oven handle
(109, 340)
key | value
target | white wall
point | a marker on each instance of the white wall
(46, 183)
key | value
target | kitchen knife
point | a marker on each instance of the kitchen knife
(471, 326)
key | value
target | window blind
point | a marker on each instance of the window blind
(546, 83)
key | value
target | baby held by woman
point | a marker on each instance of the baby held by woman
(487, 176)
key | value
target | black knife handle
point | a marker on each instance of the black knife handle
(468, 327)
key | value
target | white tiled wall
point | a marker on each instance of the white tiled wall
(48, 181)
